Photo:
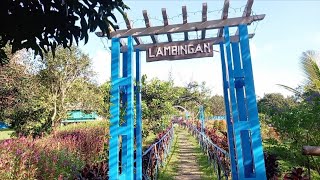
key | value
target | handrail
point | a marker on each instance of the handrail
(209, 140)
(155, 156)
(154, 144)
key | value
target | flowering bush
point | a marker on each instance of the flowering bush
(59, 155)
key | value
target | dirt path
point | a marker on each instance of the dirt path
(188, 167)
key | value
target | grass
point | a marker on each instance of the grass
(171, 166)
(205, 166)
(5, 134)
(170, 170)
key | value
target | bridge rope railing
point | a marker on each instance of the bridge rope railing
(217, 156)
(155, 156)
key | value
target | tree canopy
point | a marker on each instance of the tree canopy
(43, 25)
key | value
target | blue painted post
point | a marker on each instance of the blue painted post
(124, 147)
(138, 118)
(228, 118)
(202, 118)
(129, 113)
(235, 114)
(245, 134)
(115, 111)
(257, 149)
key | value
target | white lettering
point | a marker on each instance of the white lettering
(150, 53)
(184, 49)
(159, 52)
(206, 47)
(174, 50)
(199, 48)
(190, 49)
(167, 49)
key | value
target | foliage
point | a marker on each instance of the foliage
(310, 61)
(296, 119)
(105, 104)
(192, 96)
(296, 174)
(216, 105)
(157, 104)
(94, 171)
(37, 93)
(272, 165)
(274, 103)
(59, 155)
(59, 75)
(43, 25)
(24, 158)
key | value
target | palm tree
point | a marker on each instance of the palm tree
(310, 65)
(310, 61)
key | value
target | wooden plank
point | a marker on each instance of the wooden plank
(165, 22)
(216, 40)
(129, 26)
(204, 19)
(247, 11)
(148, 25)
(224, 15)
(185, 21)
(311, 150)
(177, 28)
(180, 50)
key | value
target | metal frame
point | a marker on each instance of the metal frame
(243, 127)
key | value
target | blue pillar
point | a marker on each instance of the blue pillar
(241, 102)
(124, 147)
(201, 113)
(114, 110)
(253, 118)
(246, 127)
(129, 112)
(228, 118)
(138, 118)
(126, 130)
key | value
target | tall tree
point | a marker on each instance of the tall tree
(58, 74)
(216, 105)
(43, 25)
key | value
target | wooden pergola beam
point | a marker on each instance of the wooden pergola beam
(224, 15)
(165, 22)
(129, 26)
(185, 21)
(148, 25)
(216, 40)
(178, 28)
(247, 11)
(204, 19)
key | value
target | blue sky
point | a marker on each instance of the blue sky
(289, 28)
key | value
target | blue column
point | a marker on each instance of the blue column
(202, 118)
(235, 114)
(241, 101)
(126, 130)
(257, 149)
(115, 111)
(124, 151)
(129, 113)
(138, 118)
(228, 118)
